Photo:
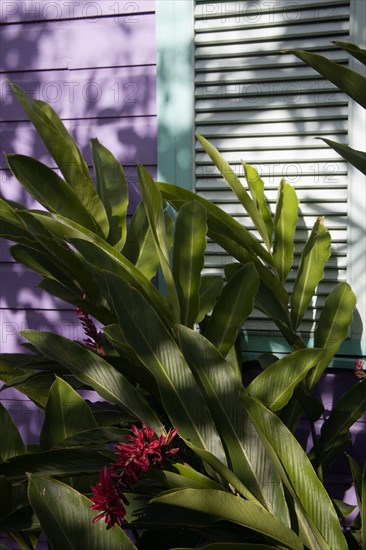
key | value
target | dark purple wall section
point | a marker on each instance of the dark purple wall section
(95, 63)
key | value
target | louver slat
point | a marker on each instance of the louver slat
(261, 106)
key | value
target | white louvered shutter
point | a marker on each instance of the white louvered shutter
(266, 108)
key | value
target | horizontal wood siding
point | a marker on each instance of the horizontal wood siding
(266, 108)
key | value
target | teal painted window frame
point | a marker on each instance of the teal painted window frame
(175, 110)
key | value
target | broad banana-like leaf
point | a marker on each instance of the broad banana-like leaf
(218, 221)
(190, 477)
(314, 256)
(139, 247)
(153, 203)
(11, 443)
(352, 49)
(232, 308)
(285, 221)
(145, 332)
(353, 156)
(66, 414)
(69, 261)
(244, 449)
(98, 253)
(56, 462)
(21, 519)
(350, 82)
(66, 154)
(95, 438)
(210, 289)
(357, 479)
(10, 370)
(113, 190)
(347, 411)
(256, 186)
(332, 327)
(92, 370)
(66, 518)
(299, 476)
(228, 507)
(276, 384)
(50, 190)
(232, 179)
(188, 258)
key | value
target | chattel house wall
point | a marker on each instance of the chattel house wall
(95, 63)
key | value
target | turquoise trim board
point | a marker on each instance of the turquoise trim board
(175, 108)
(175, 91)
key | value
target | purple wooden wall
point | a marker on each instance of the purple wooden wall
(95, 63)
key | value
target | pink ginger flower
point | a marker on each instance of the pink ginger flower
(107, 501)
(359, 372)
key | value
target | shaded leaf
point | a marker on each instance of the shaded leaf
(355, 51)
(11, 443)
(244, 449)
(350, 82)
(332, 327)
(210, 288)
(226, 506)
(68, 524)
(353, 156)
(92, 370)
(298, 475)
(50, 190)
(232, 308)
(66, 414)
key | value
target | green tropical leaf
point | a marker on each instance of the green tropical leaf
(139, 247)
(332, 327)
(9, 371)
(355, 51)
(94, 438)
(188, 258)
(92, 370)
(232, 179)
(11, 443)
(276, 384)
(314, 256)
(190, 477)
(350, 82)
(256, 186)
(66, 414)
(314, 504)
(98, 253)
(155, 347)
(219, 222)
(113, 190)
(285, 221)
(210, 288)
(357, 479)
(50, 190)
(153, 204)
(232, 308)
(228, 507)
(55, 462)
(244, 449)
(66, 518)
(353, 156)
(66, 154)
(346, 412)
(20, 519)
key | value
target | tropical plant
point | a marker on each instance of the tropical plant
(240, 479)
(350, 82)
